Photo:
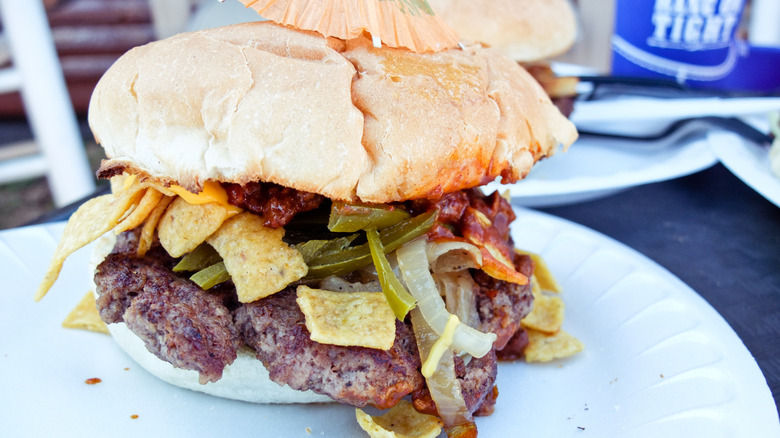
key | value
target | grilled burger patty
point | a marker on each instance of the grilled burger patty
(274, 327)
(176, 319)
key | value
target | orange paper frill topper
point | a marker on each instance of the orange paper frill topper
(412, 24)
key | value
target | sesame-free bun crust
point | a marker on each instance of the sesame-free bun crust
(526, 30)
(263, 102)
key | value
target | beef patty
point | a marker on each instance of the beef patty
(193, 329)
(178, 321)
(275, 328)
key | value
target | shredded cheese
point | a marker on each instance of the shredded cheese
(440, 346)
(212, 192)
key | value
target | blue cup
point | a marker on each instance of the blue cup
(694, 42)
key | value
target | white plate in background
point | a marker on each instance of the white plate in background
(749, 162)
(213, 14)
(594, 168)
(659, 361)
(642, 115)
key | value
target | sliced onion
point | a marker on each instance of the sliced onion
(413, 263)
(443, 384)
(452, 255)
(458, 289)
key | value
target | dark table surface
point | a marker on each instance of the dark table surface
(710, 230)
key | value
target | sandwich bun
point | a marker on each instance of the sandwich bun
(342, 119)
(526, 30)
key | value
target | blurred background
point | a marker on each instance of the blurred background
(89, 35)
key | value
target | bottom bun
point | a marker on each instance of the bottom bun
(245, 379)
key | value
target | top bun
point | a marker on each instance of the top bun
(263, 102)
(526, 30)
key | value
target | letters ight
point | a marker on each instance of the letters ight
(694, 24)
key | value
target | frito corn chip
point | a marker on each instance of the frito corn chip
(121, 182)
(147, 232)
(544, 276)
(184, 226)
(126, 180)
(255, 256)
(85, 316)
(535, 288)
(546, 315)
(544, 348)
(497, 266)
(93, 219)
(400, 421)
(141, 211)
(362, 319)
(159, 187)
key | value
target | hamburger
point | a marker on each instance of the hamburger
(526, 30)
(532, 32)
(296, 218)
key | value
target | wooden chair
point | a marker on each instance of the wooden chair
(36, 73)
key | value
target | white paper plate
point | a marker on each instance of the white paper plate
(749, 162)
(593, 168)
(659, 361)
